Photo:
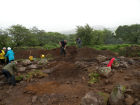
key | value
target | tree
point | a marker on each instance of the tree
(19, 34)
(5, 40)
(85, 33)
(129, 34)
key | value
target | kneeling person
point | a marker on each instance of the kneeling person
(9, 72)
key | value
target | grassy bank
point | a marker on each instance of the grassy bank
(112, 47)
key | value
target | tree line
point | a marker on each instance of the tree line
(19, 36)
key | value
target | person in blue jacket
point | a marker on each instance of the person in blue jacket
(10, 54)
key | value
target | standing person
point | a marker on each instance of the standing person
(10, 54)
(6, 58)
(79, 42)
(63, 47)
(2, 56)
(9, 72)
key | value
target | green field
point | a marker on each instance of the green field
(111, 47)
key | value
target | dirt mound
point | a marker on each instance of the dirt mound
(90, 53)
(25, 53)
(72, 53)
(132, 51)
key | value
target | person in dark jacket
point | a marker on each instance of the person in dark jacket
(9, 71)
(63, 47)
(79, 42)
(10, 54)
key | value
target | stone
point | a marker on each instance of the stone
(104, 71)
(129, 100)
(34, 99)
(131, 61)
(101, 58)
(117, 95)
(115, 64)
(48, 71)
(33, 66)
(107, 81)
(123, 64)
(130, 91)
(106, 90)
(122, 58)
(41, 100)
(92, 98)
(80, 64)
(26, 62)
(42, 61)
(21, 69)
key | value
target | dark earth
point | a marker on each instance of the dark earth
(68, 82)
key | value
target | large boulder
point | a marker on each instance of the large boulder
(104, 71)
(117, 95)
(101, 58)
(92, 98)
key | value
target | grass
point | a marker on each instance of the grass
(112, 47)
(28, 76)
(94, 77)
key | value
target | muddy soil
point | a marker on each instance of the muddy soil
(68, 82)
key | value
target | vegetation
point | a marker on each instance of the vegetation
(94, 77)
(129, 34)
(30, 75)
(112, 47)
(20, 36)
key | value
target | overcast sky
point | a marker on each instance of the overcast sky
(59, 15)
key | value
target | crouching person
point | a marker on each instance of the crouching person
(9, 72)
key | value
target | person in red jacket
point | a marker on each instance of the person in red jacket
(110, 62)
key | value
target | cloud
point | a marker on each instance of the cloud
(56, 15)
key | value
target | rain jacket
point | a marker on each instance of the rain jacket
(110, 63)
(11, 67)
(2, 54)
(10, 54)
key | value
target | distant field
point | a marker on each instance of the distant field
(115, 48)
